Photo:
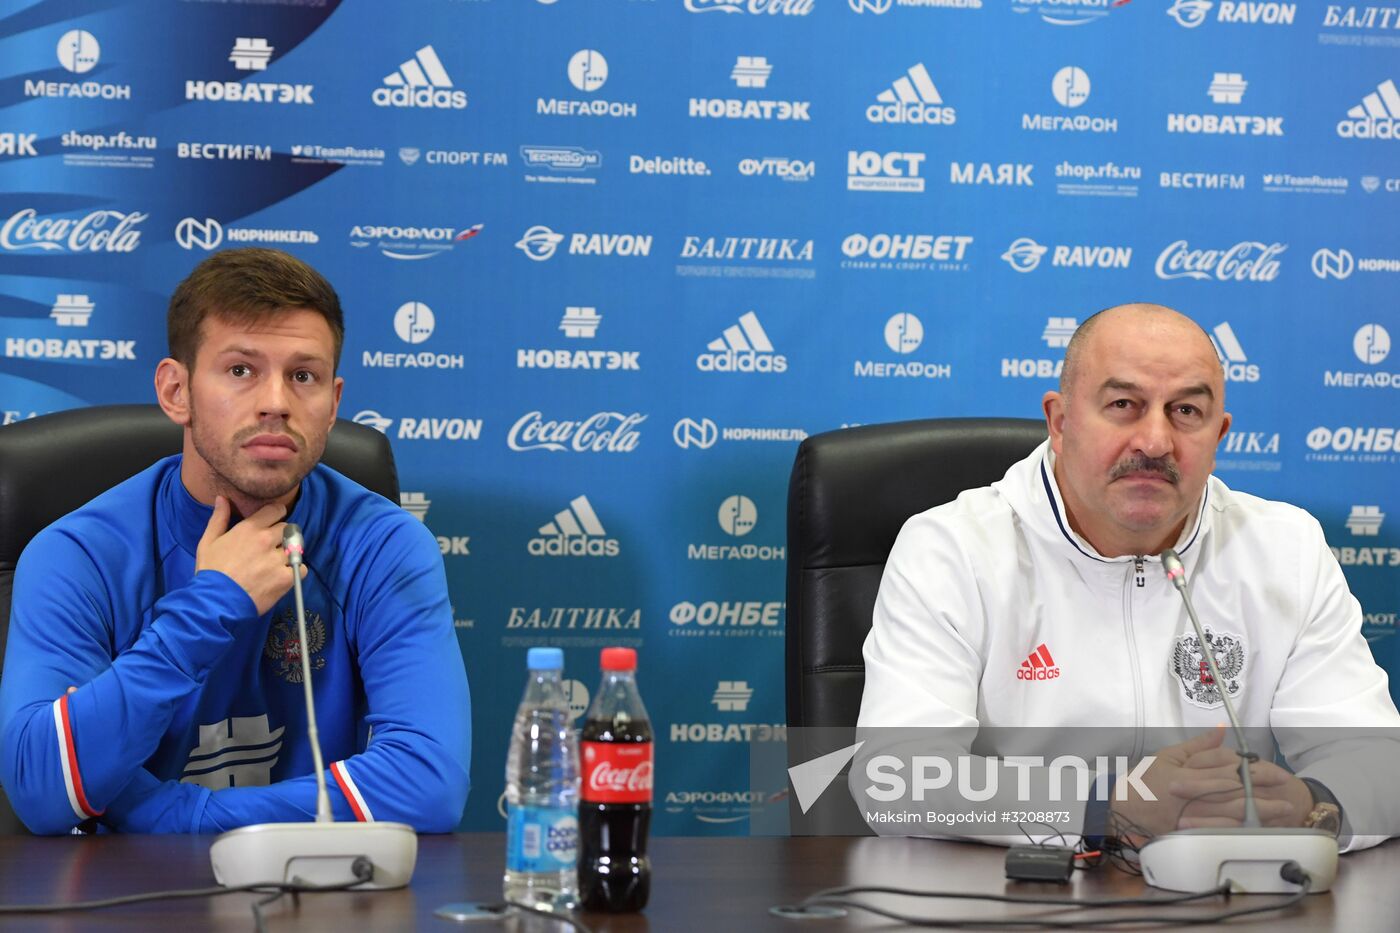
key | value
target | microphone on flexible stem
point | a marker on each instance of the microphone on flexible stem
(1251, 859)
(293, 546)
(1176, 573)
(325, 853)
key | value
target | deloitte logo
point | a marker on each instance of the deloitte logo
(738, 515)
(1070, 86)
(1232, 357)
(575, 532)
(588, 70)
(904, 333)
(1376, 117)
(912, 99)
(1371, 344)
(421, 81)
(414, 322)
(744, 348)
(78, 51)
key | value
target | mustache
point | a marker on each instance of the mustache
(246, 434)
(1162, 466)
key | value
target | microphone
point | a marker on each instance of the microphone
(1176, 573)
(365, 856)
(294, 547)
(1252, 858)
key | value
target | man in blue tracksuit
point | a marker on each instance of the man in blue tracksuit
(152, 680)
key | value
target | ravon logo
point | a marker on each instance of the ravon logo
(422, 81)
(1192, 13)
(574, 532)
(539, 243)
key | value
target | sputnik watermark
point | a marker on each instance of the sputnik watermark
(936, 773)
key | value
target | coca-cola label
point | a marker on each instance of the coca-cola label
(1248, 261)
(616, 772)
(101, 231)
(604, 432)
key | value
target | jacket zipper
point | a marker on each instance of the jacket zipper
(1135, 577)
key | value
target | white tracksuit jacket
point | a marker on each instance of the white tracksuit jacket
(973, 589)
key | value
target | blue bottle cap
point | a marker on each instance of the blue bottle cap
(545, 659)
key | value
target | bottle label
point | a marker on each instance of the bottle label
(616, 772)
(541, 839)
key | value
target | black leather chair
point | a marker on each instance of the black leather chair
(850, 492)
(52, 464)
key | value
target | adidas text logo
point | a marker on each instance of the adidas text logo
(1039, 666)
(1232, 359)
(912, 99)
(420, 82)
(575, 532)
(744, 348)
(1376, 117)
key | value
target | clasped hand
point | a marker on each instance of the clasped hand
(1197, 785)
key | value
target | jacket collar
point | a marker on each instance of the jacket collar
(1034, 494)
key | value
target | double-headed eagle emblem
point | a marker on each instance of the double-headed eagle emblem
(1189, 664)
(283, 651)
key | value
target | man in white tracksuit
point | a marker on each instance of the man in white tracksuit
(1040, 600)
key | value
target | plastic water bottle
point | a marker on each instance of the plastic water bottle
(542, 792)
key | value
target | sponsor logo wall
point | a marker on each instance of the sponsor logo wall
(605, 265)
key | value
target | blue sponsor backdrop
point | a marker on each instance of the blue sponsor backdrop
(606, 262)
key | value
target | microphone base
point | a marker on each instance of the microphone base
(315, 854)
(1248, 859)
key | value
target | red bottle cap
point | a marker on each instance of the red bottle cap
(619, 659)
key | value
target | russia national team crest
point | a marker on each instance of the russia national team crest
(1189, 665)
(283, 651)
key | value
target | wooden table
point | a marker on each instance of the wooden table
(699, 884)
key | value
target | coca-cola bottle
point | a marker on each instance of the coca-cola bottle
(615, 796)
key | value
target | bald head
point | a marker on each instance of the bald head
(1140, 320)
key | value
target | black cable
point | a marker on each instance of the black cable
(363, 874)
(833, 897)
(1070, 924)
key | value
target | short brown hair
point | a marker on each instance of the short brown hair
(243, 286)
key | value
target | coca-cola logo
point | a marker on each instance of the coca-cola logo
(98, 232)
(1249, 261)
(759, 7)
(605, 432)
(607, 778)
